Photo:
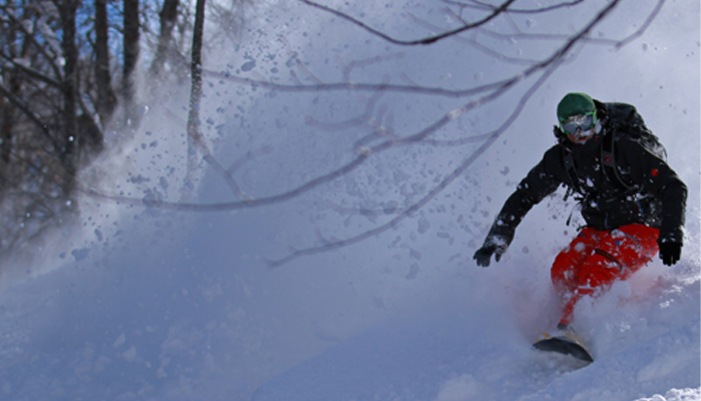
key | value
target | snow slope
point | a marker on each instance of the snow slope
(137, 303)
(152, 331)
(481, 354)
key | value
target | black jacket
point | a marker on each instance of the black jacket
(658, 198)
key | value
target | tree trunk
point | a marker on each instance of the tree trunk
(69, 131)
(7, 120)
(131, 56)
(193, 122)
(168, 16)
(106, 99)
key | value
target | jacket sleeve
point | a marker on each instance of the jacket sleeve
(540, 182)
(655, 177)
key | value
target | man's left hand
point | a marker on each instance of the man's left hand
(670, 252)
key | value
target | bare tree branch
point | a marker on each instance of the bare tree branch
(477, 45)
(30, 115)
(484, 6)
(643, 27)
(342, 86)
(32, 72)
(426, 41)
(39, 47)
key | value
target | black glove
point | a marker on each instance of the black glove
(483, 255)
(670, 252)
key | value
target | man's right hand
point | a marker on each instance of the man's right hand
(484, 255)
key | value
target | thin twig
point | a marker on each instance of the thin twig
(485, 6)
(644, 27)
(426, 41)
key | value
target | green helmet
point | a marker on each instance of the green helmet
(574, 104)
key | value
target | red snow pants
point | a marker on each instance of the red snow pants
(595, 259)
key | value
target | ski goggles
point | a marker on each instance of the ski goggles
(579, 123)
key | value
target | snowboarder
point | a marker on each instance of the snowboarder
(633, 203)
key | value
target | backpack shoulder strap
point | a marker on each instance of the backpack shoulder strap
(570, 168)
(608, 161)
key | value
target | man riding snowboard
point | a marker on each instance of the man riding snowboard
(633, 203)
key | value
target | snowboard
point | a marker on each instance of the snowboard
(567, 344)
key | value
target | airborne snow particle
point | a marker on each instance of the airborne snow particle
(424, 225)
(248, 66)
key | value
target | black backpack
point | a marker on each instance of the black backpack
(624, 119)
(621, 119)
